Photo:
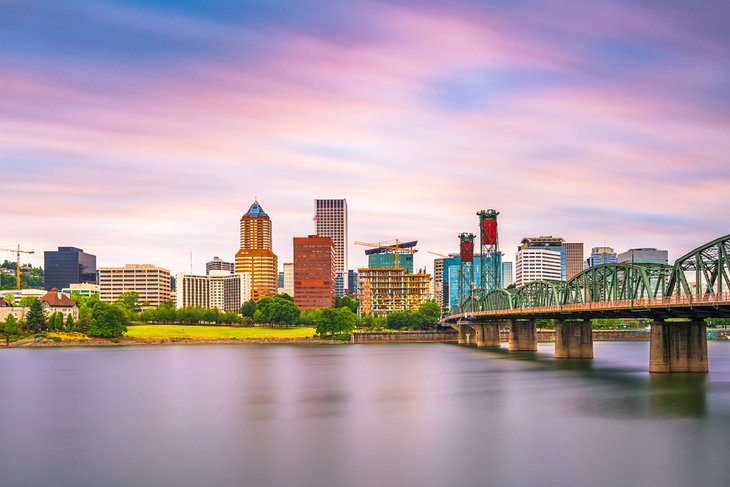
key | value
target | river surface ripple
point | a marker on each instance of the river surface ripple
(362, 415)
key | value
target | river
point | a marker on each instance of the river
(360, 415)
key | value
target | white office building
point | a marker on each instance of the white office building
(331, 221)
(220, 289)
(289, 278)
(535, 264)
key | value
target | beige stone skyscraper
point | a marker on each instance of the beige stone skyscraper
(255, 256)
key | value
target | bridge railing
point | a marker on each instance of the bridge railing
(684, 301)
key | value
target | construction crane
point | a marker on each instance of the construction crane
(398, 248)
(17, 261)
(436, 253)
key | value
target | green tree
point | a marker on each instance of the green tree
(69, 322)
(275, 311)
(248, 308)
(55, 321)
(347, 302)
(129, 302)
(35, 318)
(429, 312)
(285, 296)
(10, 299)
(10, 327)
(402, 320)
(309, 317)
(26, 301)
(335, 321)
(107, 321)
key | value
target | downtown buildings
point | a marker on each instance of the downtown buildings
(217, 264)
(601, 255)
(537, 257)
(330, 216)
(150, 282)
(255, 256)
(219, 289)
(66, 266)
(314, 272)
(644, 256)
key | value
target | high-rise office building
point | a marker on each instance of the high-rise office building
(288, 275)
(571, 253)
(219, 289)
(507, 274)
(601, 255)
(255, 256)
(150, 282)
(644, 256)
(66, 266)
(536, 264)
(352, 283)
(314, 272)
(452, 275)
(331, 221)
(573, 259)
(217, 264)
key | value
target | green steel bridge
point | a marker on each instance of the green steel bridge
(624, 290)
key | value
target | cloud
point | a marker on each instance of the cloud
(146, 130)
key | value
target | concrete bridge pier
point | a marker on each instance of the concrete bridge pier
(679, 346)
(522, 336)
(573, 339)
(488, 335)
(461, 340)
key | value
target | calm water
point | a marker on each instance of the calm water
(366, 415)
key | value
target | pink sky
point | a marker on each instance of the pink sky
(142, 132)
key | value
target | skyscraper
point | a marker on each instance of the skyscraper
(644, 256)
(573, 259)
(219, 289)
(537, 264)
(255, 256)
(150, 282)
(217, 264)
(314, 272)
(331, 221)
(601, 255)
(571, 253)
(68, 265)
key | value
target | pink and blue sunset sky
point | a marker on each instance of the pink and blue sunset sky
(142, 130)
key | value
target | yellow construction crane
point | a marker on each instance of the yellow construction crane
(398, 248)
(436, 253)
(17, 261)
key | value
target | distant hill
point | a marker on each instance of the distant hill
(30, 277)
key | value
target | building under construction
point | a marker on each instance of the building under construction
(388, 287)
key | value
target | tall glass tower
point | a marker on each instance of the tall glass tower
(330, 217)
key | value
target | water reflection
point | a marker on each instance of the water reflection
(429, 415)
(633, 392)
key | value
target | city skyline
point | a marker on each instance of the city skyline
(598, 128)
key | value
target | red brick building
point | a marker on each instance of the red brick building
(314, 272)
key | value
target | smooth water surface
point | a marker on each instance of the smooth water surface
(363, 415)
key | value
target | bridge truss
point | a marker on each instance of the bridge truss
(625, 283)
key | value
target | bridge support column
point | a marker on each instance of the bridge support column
(462, 334)
(573, 339)
(488, 335)
(522, 336)
(679, 346)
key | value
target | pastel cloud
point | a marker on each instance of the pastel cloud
(146, 131)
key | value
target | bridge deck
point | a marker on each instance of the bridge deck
(715, 305)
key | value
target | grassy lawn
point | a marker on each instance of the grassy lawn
(214, 332)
